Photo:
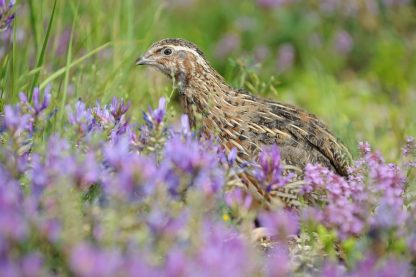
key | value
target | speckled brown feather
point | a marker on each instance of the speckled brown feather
(246, 122)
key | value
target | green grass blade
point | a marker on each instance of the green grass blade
(42, 54)
(61, 71)
(33, 24)
(67, 71)
(13, 64)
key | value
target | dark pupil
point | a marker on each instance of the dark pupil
(167, 51)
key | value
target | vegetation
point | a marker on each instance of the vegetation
(91, 187)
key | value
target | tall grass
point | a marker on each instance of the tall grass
(87, 49)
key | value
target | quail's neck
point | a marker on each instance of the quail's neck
(203, 86)
(203, 92)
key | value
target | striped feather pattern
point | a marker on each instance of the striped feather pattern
(248, 123)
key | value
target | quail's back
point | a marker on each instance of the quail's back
(242, 120)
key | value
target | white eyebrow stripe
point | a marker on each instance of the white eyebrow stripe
(198, 56)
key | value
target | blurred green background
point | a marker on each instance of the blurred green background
(352, 63)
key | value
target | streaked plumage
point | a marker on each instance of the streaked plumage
(243, 120)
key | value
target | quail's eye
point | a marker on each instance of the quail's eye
(167, 51)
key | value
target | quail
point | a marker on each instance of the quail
(244, 121)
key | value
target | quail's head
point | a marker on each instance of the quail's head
(173, 57)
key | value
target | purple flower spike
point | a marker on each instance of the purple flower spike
(343, 42)
(268, 4)
(281, 224)
(81, 117)
(23, 98)
(155, 117)
(232, 156)
(185, 128)
(6, 14)
(87, 260)
(237, 198)
(15, 120)
(32, 265)
(364, 147)
(40, 104)
(118, 108)
(187, 158)
(160, 112)
(269, 169)
(410, 147)
(229, 43)
(285, 57)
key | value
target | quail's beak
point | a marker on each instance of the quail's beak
(144, 61)
(140, 61)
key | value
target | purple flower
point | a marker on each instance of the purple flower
(177, 264)
(331, 269)
(370, 266)
(314, 178)
(87, 171)
(63, 41)
(340, 213)
(159, 114)
(343, 42)
(135, 265)
(117, 151)
(278, 263)
(227, 44)
(329, 6)
(364, 147)
(13, 223)
(345, 217)
(411, 241)
(285, 57)
(141, 222)
(39, 175)
(135, 175)
(32, 265)
(280, 224)
(161, 223)
(238, 199)
(154, 118)
(219, 244)
(372, 185)
(6, 14)
(81, 117)
(118, 108)
(16, 121)
(185, 127)
(188, 164)
(267, 4)
(41, 104)
(410, 147)
(103, 116)
(269, 161)
(269, 169)
(394, 267)
(9, 268)
(232, 156)
(50, 229)
(389, 216)
(87, 260)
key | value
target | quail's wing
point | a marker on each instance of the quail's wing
(303, 137)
